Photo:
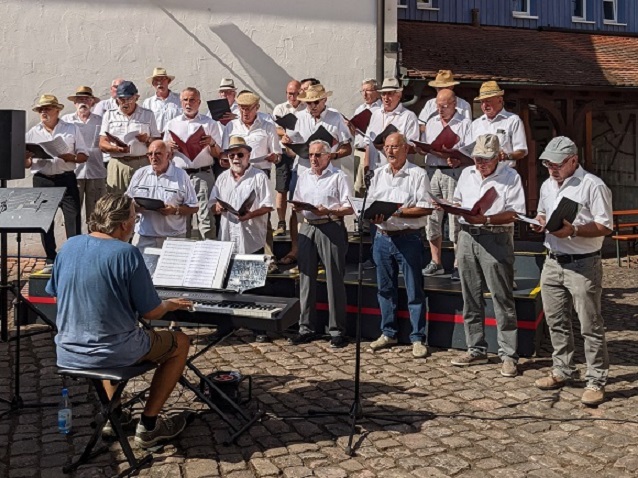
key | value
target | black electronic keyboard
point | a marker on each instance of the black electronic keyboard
(255, 312)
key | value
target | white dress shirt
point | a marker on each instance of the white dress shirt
(330, 189)
(127, 127)
(595, 199)
(409, 187)
(184, 128)
(71, 136)
(460, 125)
(163, 109)
(360, 139)
(261, 136)
(93, 168)
(509, 187)
(282, 109)
(331, 120)
(174, 188)
(404, 120)
(507, 126)
(248, 236)
(103, 106)
(430, 110)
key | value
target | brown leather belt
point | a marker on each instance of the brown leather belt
(482, 230)
(400, 232)
(319, 222)
(128, 158)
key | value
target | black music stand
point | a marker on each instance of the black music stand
(22, 210)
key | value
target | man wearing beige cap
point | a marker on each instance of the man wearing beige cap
(485, 253)
(59, 171)
(572, 274)
(496, 120)
(91, 175)
(444, 81)
(165, 104)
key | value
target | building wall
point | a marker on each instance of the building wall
(53, 46)
(549, 13)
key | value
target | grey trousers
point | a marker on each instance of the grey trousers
(203, 183)
(90, 191)
(488, 260)
(565, 288)
(330, 243)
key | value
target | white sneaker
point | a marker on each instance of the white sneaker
(419, 350)
(383, 342)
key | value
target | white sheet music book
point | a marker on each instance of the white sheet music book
(193, 264)
(56, 147)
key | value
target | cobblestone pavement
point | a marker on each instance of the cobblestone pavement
(461, 423)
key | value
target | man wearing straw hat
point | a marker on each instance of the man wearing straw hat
(496, 120)
(444, 81)
(165, 105)
(59, 171)
(133, 125)
(228, 90)
(91, 175)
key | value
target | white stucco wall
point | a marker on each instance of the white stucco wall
(53, 46)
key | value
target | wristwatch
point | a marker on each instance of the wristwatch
(575, 233)
(488, 220)
(399, 212)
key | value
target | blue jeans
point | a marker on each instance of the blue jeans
(389, 254)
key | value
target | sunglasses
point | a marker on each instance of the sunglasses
(553, 166)
(311, 103)
(236, 155)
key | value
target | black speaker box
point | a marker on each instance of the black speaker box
(12, 144)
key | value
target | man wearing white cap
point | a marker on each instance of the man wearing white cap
(228, 90)
(572, 274)
(91, 174)
(59, 171)
(485, 254)
(444, 81)
(496, 120)
(392, 113)
(165, 104)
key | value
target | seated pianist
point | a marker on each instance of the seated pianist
(102, 285)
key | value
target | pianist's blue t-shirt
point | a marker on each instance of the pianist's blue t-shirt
(101, 285)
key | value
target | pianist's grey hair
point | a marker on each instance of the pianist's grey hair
(111, 210)
(325, 147)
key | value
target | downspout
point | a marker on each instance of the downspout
(380, 39)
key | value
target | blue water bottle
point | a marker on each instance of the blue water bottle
(64, 413)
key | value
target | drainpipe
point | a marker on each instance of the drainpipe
(380, 39)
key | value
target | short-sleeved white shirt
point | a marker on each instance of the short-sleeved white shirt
(103, 106)
(93, 168)
(404, 120)
(429, 111)
(261, 136)
(126, 127)
(164, 110)
(460, 125)
(595, 199)
(507, 126)
(471, 186)
(248, 236)
(174, 188)
(282, 109)
(70, 135)
(360, 139)
(409, 187)
(330, 189)
(184, 128)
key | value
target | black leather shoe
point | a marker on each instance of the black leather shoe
(338, 342)
(262, 338)
(302, 339)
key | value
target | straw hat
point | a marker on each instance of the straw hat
(487, 146)
(444, 78)
(247, 98)
(83, 92)
(314, 93)
(159, 72)
(389, 85)
(489, 89)
(47, 100)
(227, 84)
(237, 142)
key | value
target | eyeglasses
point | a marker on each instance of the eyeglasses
(553, 166)
(483, 160)
(393, 146)
(122, 101)
(316, 155)
(236, 155)
(153, 154)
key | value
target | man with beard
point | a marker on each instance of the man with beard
(136, 128)
(91, 175)
(59, 171)
(165, 105)
(200, 168)
(166, 182)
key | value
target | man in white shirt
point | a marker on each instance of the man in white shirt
(228, 90)
(572, 274)
(496, 120)
(59, 171)
(133, 125)
(234, 186)
(392, 113)
(444, 171)
(283, 169)
(372, 102)
(200, 167)
(323, 236)
(163, 181)
(91, 175)
(110, 103)
(486, 253)
(397, 244)
(165, 105)
(444, 81)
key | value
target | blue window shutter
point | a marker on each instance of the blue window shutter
(533, 9)
(621, 11)
(589, 6)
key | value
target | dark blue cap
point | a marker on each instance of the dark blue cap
(126, 89)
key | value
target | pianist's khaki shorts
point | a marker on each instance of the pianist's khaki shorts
(163, 344)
